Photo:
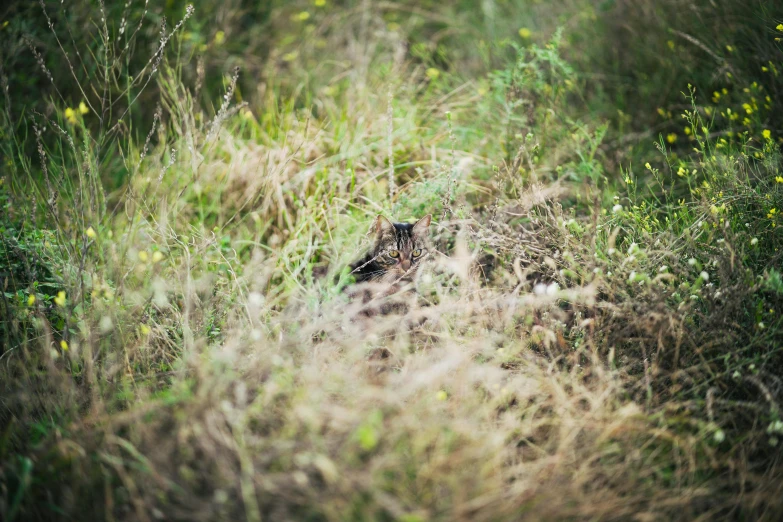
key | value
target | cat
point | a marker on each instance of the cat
(384, 277)
(396, 254)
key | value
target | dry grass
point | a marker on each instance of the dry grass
(548, 366)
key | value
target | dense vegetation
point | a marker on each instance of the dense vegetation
(598, 336)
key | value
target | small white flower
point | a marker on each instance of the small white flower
(762, 325)
(632, 277)
(705, 276)
(611, 251)
(539, 289)
(754, 241)
(692, 261)
(632, 248)
(106, 324)
(617, 208)
(775, 427)
(631, 259)
(663, 268)
(719, 436)
(552, 289)
(255, 299)
(596, 270)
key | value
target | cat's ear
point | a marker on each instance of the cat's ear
(382, 226)
(421, 226)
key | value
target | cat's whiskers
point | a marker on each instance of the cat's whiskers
(365, 264)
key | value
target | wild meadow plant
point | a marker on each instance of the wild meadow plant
(595, 335)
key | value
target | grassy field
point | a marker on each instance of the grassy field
(597, 334)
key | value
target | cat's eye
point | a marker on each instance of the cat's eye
(394, 254)
(417, 252)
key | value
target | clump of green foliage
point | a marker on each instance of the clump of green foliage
(598, 336)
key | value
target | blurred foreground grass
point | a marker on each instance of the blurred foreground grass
(598, 337)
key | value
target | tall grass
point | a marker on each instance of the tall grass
(596, 336)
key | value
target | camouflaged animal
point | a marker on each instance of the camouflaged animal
(396, 253)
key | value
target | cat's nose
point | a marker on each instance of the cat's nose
(405, 264)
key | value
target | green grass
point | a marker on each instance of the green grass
(597, 336)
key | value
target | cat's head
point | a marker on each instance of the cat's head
(400, 247)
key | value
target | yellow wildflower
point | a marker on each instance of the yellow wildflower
(432, 73)
(779, 27)
(441, 395)
(771, 213)
(145, 330)
(671, 138)
(157, 256)
(779, 179)
(525, 33)
(320, 3)
(60, 299)
(766, 133)
(70, 115)
(220, 37)
(91, 233)
(730, 48)
(31, 300)
(301, 17)
(83, 108)
(64, 345)
(670, 43)
(143, 256)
